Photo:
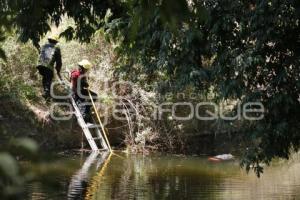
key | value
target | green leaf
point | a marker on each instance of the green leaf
(8, 165)
(26, 144)
(68, 33)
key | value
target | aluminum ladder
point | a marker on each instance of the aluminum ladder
(87, 127)
(86, 130)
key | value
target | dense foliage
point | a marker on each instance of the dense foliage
(245, 50)
(253, 53)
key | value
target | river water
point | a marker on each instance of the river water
(122, 176)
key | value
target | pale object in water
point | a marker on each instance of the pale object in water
(224, 157)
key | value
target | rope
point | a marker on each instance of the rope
(92, 188)
(99, 120)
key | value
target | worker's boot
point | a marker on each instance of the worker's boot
(47, 80)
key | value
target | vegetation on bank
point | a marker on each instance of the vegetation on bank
(246, 51)
(21, 93)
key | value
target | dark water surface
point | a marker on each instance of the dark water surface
(160, 177)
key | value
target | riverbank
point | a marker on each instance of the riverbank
(19, 119)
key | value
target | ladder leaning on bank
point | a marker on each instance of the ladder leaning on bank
(87, 127)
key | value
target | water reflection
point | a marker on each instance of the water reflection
(171, 177)
(104, 177)
(79, 181)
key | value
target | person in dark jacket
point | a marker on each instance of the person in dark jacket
(80, 91)
(50, 55)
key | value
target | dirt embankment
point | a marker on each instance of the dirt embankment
(19, 119)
